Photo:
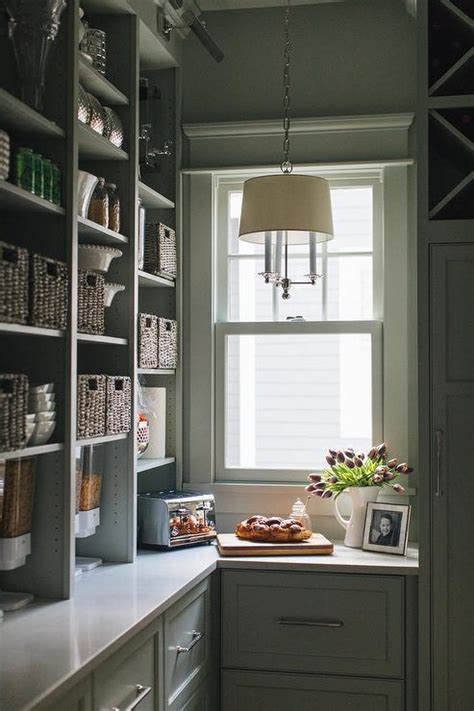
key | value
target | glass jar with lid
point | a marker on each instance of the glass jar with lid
(114, 207)
(99, 207)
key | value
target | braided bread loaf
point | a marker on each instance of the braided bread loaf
(272, 529)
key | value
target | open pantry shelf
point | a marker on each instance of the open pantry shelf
(153, 200)
(14, 198)
(156, 371)
(101, 440)
(93, 146)
(20, 118)
(18, 329)
(108, 340)
(32, 451)
(94, 82)
(151, 281)
(144, 465)
(89, 230)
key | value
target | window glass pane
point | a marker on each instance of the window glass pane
(352, 218)
(249, 298)
(290, 397)
(236, 245)
(349, 288)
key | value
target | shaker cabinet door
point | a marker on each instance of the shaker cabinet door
(452, 481)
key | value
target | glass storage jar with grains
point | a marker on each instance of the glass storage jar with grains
(99, 207)
(114, 207)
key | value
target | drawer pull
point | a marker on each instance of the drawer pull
(197, 636)
(310, 623)
(142, 693)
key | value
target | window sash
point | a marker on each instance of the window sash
(223, 330)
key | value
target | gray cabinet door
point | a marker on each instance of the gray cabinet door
(259, 691)
(452, 475)
(305, 622)
(78, 699)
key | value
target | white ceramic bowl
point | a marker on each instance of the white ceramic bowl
(45, 416)
(45, 389)
(31, 417)
(97, 257)
(30, 427)
(42, 406)
(42, 433)
(110, 291)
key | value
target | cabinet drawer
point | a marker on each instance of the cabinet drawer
(186, 641)
(129, 674)
(255, 691)
(313, 622)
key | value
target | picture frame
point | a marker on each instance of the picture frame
(386, 528)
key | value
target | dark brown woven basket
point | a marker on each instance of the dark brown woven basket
(160, 250)
(48, 292)
(167, 343)
(14, 268)
(90, 297)
(119, 405)
(13, 409)
(91, 400)
(147, 341)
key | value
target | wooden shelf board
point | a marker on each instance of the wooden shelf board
(96, 83)
(108, 340)
(18, 329)
(151, 281)
(101, 440)
(460, 101)
(19, 118)
(91, 230)
(93, 146)
(451, 195)
(451, 71)
(156, 371)
(144, 465)
(153, 200)
(32, 451)
(16, 199)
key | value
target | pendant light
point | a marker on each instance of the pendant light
(283, 210)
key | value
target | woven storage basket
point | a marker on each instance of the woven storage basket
(119, 405)
(91, 308)
(91, 405)
(147, 341)
(167, 343)
(48, 292)
(13, 284)
(13, 409)
(160, 250)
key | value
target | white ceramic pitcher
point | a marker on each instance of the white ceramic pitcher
(360, 496)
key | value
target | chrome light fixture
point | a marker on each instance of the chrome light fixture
(283, 210)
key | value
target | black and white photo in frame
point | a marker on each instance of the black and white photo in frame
(386, 528)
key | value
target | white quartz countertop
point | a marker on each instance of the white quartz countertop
(48, 645)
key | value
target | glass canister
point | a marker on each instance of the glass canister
(92, 468)
(25, 169)
(94, 44)
(17, 490)
(47, 180)
(114, 207)
(99, 207)
(299, 513)
(39, 175)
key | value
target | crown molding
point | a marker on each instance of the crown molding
(302, 126)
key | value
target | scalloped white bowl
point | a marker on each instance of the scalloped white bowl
(97, 258)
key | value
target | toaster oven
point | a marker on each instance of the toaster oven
(169, 519)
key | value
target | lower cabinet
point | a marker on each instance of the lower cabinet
(256, 691)
(78, 699)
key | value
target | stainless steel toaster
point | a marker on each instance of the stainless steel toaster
(169, 519)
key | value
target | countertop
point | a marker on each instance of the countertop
(48, 645)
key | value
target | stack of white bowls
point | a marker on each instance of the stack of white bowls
(41, 420)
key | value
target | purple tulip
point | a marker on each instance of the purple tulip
(310, 488)
(408, 470)
(321, 485)
(349, 463)
(333, 479)
(332, 452)
(388, 475)
(398, 488)
(319, 493)
(326, 494)
(340, 457)
(314, 477)
(349, 453)
(371, 454)
(361, 455)
(381, 469)
(381, 450)
(402, 468)
(377, 479)
(392, 463)
(358, 462)
(330, 460)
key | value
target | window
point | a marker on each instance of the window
(286, 389)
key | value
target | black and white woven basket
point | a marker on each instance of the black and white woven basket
(167, 343)
(91, 308)
(91, 400)
(147, 341)
(48, 292)
(160, 250)
(118, 404)
(13, 409)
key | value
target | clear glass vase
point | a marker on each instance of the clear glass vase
(32, 29)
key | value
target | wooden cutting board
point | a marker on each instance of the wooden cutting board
(229, 544)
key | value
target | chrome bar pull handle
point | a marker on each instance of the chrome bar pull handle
(142, 693)
(197, 636)
(439, 436)
(297, 622)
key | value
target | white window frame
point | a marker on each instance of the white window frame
(224, 329)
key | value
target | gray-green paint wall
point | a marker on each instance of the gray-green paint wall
(354, 57)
